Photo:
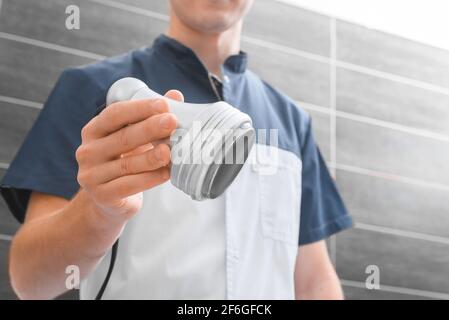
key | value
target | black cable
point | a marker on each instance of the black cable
(111, 268)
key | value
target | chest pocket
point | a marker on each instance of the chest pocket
(280, 196)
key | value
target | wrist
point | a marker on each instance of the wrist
(104, 228)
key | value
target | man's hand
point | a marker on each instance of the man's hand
(121, 154)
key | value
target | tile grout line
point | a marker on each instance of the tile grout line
(376, 122)
(392, 177)
(333, 121)
(4, 165)
(393, 77)
(401, 290)
(5, 237)
(285, 49)
(350, 66)
(401, 233)
(21, 102)
(133, 9)
(51, 46)
(375, 72)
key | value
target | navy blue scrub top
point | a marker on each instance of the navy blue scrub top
(46, 161)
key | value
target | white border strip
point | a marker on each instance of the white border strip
(400, 290)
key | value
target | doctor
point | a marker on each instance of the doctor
(80, 182)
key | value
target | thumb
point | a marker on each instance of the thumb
(175, 95)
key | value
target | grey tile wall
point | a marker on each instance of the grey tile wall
(26, 71)
(29, 70)
(403, 262)
(289, 26)
(391, 101)
(8, 225)
(396, 55)
(103, 29)
(302, 79)
(391, 151)
(6, 293)
(15, 122)
(395, 204)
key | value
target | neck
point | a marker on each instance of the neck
(211, 49)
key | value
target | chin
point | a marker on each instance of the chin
(215, 23)
(210, 16)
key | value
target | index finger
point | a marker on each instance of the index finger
(121, 114)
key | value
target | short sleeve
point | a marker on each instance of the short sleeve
(322, 210)
(46, 160)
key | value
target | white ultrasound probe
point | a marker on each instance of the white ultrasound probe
(225, 133)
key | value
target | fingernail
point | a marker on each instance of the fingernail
(165, 120)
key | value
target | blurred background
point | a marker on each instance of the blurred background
(379, 103)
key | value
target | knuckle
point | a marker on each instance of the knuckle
(124, 166)
(109, 114)
(113, 112)
(161, 105)
(164, 154)
(85, 131)
(82, 154)
(150, 157)
(81, 178)
(84, 179)
(122, 137)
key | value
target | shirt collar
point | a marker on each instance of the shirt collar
(179, 53)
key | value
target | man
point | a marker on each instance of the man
(80, 182)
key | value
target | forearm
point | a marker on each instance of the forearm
(315, 276)
(323, 285)
(40, 252)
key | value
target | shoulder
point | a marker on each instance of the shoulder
(80, 91)
(99, 76)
